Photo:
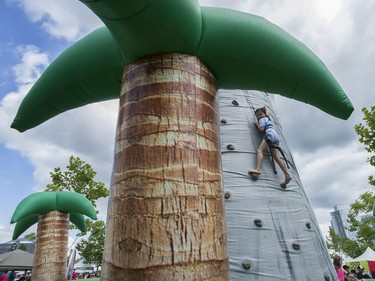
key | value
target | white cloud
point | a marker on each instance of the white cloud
(324, 218)
(86, 132)
(68, 19)
(6, 231)
(32, 65)
(333, 176)
(334, 168)
(25, 73)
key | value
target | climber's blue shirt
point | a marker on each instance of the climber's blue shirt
(269, 132)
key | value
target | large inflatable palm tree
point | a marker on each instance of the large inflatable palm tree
(52, 211)
(165, 60)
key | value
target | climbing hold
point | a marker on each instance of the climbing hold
(296, 246)
(254, 176)
(258, 222)
(326, 276)
(227, 195)
(230, 147)
(246, 264)
(234, 102)
(308, 225)
(223, 121)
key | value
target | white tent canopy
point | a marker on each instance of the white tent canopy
(368, 255)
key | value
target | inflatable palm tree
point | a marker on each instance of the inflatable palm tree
(52, 211)
(165, 60)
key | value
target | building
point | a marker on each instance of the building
(339, 222)
(21, 243)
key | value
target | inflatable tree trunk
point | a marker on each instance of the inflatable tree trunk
(50, 257)
(166, 211)
(272, 232)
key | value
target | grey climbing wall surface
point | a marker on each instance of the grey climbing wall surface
(272, 233)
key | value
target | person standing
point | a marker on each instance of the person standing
(360, 273)
(11, 276)
(4, 276)
(337, 263)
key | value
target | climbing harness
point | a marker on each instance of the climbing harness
(270, 146)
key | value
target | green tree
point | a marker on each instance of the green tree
(366, 134)
(334, 243)
(364, 228)
(91, 249)
(340, 245)
(79, 177)
(22, 247)
(30, 236)
(364, 204)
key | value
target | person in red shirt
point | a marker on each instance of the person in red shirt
(4, 276)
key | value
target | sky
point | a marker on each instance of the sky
(329, 158)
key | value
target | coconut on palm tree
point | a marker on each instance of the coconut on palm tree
(165, 60)
(52, 211)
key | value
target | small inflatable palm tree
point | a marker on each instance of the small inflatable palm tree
(52, 211)
(165, 60)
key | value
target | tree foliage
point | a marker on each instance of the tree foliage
(364, 228)
(79, 177)
(340, 246)
(366, 134)
(91, 249)
(30, 236)
(22, 247)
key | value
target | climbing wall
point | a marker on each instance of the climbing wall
(272, 233)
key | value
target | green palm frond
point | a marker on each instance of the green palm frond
(242, 50)
(23, 224)
(28, 210)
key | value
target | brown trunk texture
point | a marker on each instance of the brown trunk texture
(166, 214)
(50, 257)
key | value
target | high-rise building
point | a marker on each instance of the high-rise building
(340, 223)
